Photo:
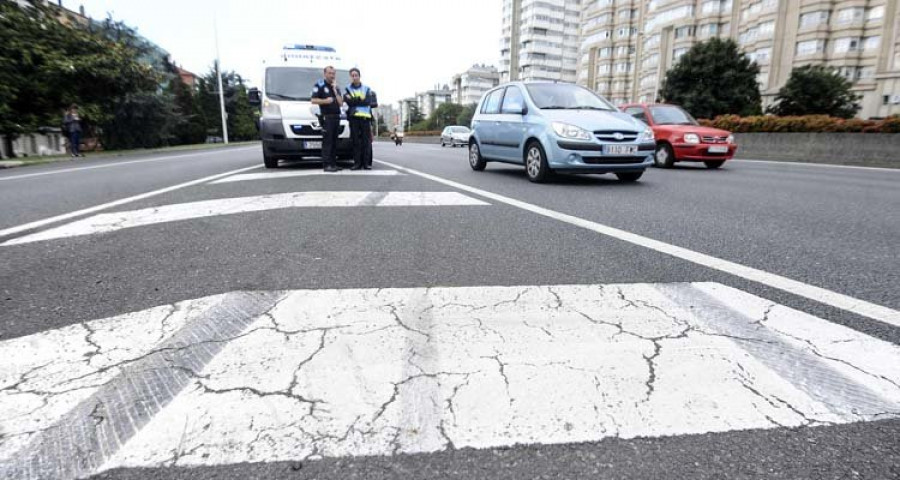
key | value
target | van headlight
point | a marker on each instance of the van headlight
(647, 136)
(271, 110)
(571, 131)
(691, 138)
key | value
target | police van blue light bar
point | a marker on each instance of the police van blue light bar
(315, 48)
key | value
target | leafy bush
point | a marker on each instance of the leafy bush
(806, 123)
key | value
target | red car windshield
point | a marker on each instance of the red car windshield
(670, 115)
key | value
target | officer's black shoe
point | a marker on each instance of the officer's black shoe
(367, 167)
(332, 169)
(355, 168)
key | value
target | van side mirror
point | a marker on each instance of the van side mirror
(254, 97)
(524, 110)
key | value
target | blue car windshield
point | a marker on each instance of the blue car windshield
(563, 96)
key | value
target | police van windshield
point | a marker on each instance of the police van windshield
(296, 83)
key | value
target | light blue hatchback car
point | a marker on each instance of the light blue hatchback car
(558, 127)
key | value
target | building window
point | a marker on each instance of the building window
(684, 32)
(678, 53)
(875, 13)
(865, 73)
(846, 44)
(813, 19)
(766, 29)
(850, 15)
(604, 69)
(871, 43)
(605, 52)
(709, 30)
(810, 47)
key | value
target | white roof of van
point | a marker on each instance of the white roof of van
(301, 55)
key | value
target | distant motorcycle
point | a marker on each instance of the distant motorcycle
(397, 137)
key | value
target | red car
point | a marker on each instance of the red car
(680, 138)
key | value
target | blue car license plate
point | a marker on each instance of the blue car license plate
(620, 149)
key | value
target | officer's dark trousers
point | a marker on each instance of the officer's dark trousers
(330, 131)
(360, 131)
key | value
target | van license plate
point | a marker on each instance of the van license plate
(620, 149)
(312, 145)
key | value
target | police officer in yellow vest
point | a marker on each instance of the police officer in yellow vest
(358, 98)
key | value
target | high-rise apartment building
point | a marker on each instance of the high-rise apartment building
(625, 47)
(539, 40)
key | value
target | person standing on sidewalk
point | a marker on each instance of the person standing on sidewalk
(72, 129)
(359, 97)
(327, 96)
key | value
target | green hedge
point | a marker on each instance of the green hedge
(808, 123)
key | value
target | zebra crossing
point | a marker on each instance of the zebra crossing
(265, 376)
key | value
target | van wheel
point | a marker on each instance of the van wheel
(270, 161)
(476, 161)
(536, 166)
(629, 176)
(665, 156)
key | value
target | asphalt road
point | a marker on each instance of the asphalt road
(829, 228)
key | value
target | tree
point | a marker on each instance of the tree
(816, 90)
(466, 114)
(141, 120)
(48, 64)
(191, 122)
(713, 78)
(445, 114)
(240, 115)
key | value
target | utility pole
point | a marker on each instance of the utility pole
(219, 80)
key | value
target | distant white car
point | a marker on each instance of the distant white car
(455, 135)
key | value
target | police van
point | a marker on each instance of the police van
(289, 124)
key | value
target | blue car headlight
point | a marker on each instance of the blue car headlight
(566, 130)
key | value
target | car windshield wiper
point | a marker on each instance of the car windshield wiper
(279, 96)
(589, 107)
(555, 107)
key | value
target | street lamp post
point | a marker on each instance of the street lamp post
(219, 82)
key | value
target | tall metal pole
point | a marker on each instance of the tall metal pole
(219, 80)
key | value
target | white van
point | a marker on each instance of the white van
(289, 125)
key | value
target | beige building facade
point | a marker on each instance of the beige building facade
(539, 40)
(626, 46)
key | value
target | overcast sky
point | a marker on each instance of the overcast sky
(401, 46)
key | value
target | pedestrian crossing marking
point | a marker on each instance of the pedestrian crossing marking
(305, 173)
(335, 373)
(110, 222)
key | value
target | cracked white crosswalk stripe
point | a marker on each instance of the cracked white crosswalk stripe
(378, 372)
(110, 222)
(306, 173)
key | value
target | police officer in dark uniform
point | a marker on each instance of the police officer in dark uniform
(359, 98)
(327, 96)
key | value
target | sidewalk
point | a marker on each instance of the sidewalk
(26, 161)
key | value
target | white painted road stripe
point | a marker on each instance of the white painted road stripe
(110, 222)
(818, 294)
(386, 371)
(97, 208)
(808, 164)
(304, 173)
(117, 164)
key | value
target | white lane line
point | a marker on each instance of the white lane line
(304, 173)
(110, 222)
(97, 208)
(117, 164)
(812, 292)
(825, 165)
(405, 370)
